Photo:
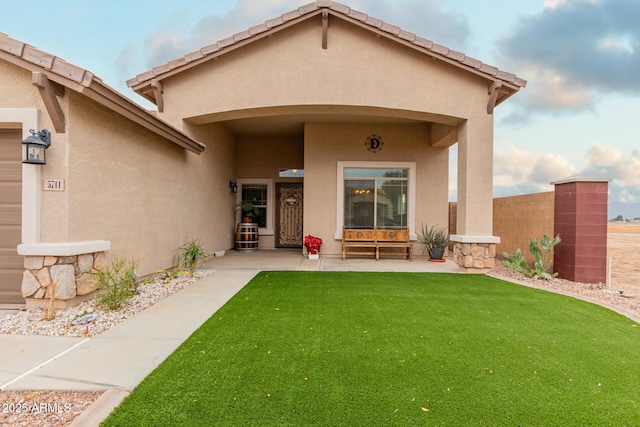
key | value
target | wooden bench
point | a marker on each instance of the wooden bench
(370, 242)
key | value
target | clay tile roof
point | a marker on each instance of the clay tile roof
(405, 35)
(242, 35)
(307, 8)
(374, 22)
(340, 10)
(85, 82)
(357, 15)
(258, 29)
(45, 60)
(392, 29)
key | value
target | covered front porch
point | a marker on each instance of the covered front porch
(292, 259)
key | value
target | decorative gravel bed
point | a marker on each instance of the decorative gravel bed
(597, 293)
(59, 408)
(43, 408)
(32, 322)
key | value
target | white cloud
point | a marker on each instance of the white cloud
(175, 38)
(514, 167)
(519, 171)
(574, 52)
(607, 161)
(550, 90)
(555, 4)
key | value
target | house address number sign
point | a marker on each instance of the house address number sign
(53, 184)
(374, 143)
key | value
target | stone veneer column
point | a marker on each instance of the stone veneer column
(580, 220)
(476, 254)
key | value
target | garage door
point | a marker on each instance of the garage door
(11, 264)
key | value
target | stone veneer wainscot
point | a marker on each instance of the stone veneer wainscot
(68, 265)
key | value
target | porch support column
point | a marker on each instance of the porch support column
(474, 246)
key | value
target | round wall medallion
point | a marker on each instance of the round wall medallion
(374, 143)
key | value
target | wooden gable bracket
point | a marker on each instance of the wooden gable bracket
(494, 89)
(157, 94)
(48, 91)
(325, 28)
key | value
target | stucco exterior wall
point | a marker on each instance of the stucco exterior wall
(328, 143)
(16, 89)
(142, 193)
(290, 68)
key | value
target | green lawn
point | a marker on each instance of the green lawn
(385, 349)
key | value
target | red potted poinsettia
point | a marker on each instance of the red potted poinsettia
(312, 244)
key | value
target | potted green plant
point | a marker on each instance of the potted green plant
(435, 239)
(249, 211)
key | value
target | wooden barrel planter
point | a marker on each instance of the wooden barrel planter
(247, 237)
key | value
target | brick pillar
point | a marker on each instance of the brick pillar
(581, 221)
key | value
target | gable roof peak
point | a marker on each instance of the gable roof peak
(141, 83)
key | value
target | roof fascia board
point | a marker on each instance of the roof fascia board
(107, 97)
(26, 65)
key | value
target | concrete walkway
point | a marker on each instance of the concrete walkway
(120, 358)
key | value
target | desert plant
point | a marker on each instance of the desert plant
(50, 314)
(541, 249)
(435, 240)
(517, 262)
(168, 275)
(433, 237)
(191, 252)
(117, 283)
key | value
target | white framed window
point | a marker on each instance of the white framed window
(260, 193)
(381, 194)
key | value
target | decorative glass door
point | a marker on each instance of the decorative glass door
(289, 234)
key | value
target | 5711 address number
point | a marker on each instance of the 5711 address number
(53, 185)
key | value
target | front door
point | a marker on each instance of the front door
(289, 215)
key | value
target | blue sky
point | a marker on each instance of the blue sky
(581, 58)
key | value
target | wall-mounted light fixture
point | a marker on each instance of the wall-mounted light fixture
(233, 187)
(35, 147)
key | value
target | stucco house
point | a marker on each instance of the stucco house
(323, 116)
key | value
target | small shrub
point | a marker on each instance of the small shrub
(541, 249)
(168, 275)
(192, 252)
(118, 282)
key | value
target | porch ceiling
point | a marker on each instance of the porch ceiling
(294, 125)
(289, 121)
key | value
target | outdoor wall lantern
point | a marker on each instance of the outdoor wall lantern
(35, 147)
(233, 186)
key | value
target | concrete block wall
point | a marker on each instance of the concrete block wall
(518, 219)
